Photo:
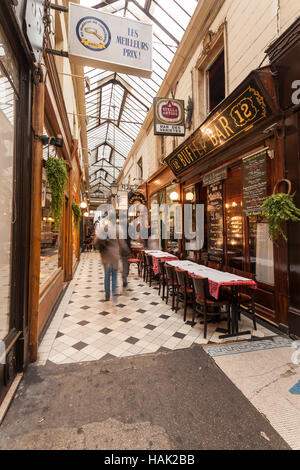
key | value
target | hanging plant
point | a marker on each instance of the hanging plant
(56, 177)
(76, 212)
(280, 208)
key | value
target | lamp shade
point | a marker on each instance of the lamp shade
(174, 196)
(114, 189)
(189, 196)
(83, 205)
(86, 214)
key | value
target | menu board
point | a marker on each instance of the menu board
(254, 183)
(215, 218)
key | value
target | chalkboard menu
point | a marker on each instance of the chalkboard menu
(254, 183)
(215, 218)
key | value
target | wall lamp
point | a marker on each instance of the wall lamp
(55, 141)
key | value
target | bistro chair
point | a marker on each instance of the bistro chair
(205, 304)
(184, 291)
(214, 265)
(133, 259)
(246, 296)
(171, 284)
(162, 281)
(149, 269)
(144, 265)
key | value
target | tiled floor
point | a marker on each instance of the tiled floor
(86, 328)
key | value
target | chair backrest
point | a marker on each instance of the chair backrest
(181, 277)
(201, 286)
(161, 268)
(149, 261)
(228, 269)
(214, 265)
(241, 273)
(169, 272)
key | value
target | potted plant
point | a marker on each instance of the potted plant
(278, 208)
(77, 213)
(56, 177)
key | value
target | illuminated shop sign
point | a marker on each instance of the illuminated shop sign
(168, 116)
(228, 122)
(109, 42)
(137, 197)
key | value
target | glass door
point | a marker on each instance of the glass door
(9, 87)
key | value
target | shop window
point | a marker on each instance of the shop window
(234, 219)
(171, 192)
(189, 197)
(50, 236)
(260, 250)
(216, 82)
(8, 100)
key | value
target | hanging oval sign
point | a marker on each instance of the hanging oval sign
(93, 33)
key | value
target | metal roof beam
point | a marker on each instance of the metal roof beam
(156, 22)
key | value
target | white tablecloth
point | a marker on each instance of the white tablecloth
(216, 278)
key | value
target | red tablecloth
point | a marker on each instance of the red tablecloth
(163, 259)
(214, 287)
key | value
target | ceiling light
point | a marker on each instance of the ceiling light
(83, 205)
(174, 196)
(189, 196)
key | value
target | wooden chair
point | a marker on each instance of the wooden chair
(161, 279)
(204, 301)
(184, 291)
(132, 259)
(149, 269)
(144, 265)
(214, 265)
(171, 284)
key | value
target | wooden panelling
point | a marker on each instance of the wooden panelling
(48, 300)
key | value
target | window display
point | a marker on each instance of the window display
(171, 197)
(50, 237)
(9, 86)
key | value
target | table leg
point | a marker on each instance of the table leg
(234, 317)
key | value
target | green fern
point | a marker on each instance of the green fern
(56, 172)
(280, 208)
(76, 212)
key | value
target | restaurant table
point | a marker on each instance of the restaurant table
(217, 279)
(158, 255)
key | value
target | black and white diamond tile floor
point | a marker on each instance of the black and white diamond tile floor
(86, 328)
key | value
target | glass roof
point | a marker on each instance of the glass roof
(117, 104)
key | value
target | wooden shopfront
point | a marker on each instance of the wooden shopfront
(230, 164)
(55, 250)
(16, 76)
(284, 55)
(161, 188)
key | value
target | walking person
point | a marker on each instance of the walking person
(110, 255)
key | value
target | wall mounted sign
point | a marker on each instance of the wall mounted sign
(215, 218)
(109, 42)
(214, 177)
(232, 118)
(254, 182)
(137, 197)
(168, 116)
